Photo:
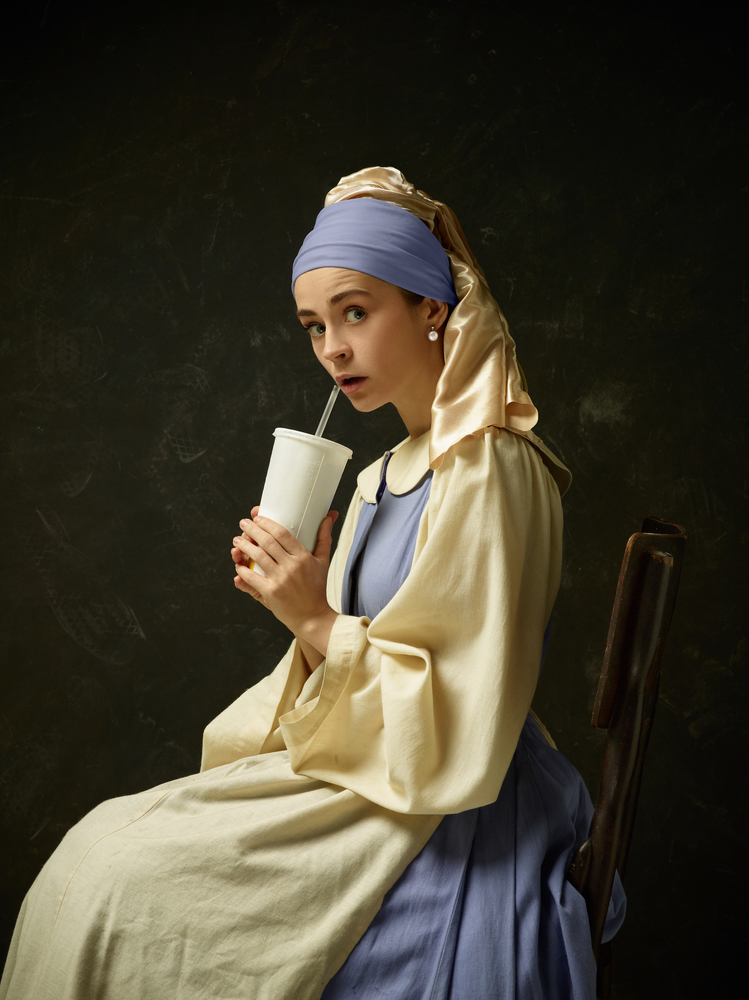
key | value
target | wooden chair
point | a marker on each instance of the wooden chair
(624, 706)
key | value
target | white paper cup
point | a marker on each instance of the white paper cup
(303, 475)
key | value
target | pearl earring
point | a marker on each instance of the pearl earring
(433, 335)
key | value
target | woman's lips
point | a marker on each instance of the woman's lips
(354, 384)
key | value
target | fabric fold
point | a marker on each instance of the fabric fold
(482, 384)
(408, 711)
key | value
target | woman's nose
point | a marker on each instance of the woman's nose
(336, 346)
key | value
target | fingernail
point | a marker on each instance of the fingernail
(244, 523)
(237, 541)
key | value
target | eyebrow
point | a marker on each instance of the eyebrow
(334, 300)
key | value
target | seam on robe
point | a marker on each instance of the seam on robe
(64, 892)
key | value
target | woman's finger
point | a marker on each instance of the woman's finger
(289, 542)
(251, 582)
(239, 557)
(253, 513)
(245, 545)
(325, 536)
(253, 553)
(272, 537)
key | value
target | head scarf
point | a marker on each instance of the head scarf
(481, 384)
(378, 238)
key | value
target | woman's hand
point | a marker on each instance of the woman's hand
(242, 560)
(293, 587)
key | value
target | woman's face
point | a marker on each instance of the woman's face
(370, 340)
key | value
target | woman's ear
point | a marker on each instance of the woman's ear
(435, 312)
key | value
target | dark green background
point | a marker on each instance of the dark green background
(162, 164)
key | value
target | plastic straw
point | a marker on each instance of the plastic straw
(327, 411)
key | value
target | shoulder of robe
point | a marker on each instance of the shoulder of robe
(500, 435)
(558, 470)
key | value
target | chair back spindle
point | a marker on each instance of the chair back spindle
(624, 706)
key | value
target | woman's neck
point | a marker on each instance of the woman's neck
(416, 409)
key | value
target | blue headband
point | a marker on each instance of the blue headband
(378, 238)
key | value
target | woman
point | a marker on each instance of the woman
(390, 755)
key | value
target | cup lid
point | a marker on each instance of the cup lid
(313, 439)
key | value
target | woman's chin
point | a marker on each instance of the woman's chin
(367, 404)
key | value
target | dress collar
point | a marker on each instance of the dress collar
(407, 467)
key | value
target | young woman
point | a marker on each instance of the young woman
(382, 816)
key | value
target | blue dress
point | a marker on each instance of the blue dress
(484, 911)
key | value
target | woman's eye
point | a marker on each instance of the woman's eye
(316, 329)
(354, 314)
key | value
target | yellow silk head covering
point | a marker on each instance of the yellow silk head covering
(481, 384)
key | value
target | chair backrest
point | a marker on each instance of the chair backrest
(625, 705)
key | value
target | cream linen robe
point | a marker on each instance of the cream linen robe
(256, 877)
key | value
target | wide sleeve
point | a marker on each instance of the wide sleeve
(250, 724)
(420, 710)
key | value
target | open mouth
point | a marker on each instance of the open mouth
(351, 384)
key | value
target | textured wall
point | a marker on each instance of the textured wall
(162, 166)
